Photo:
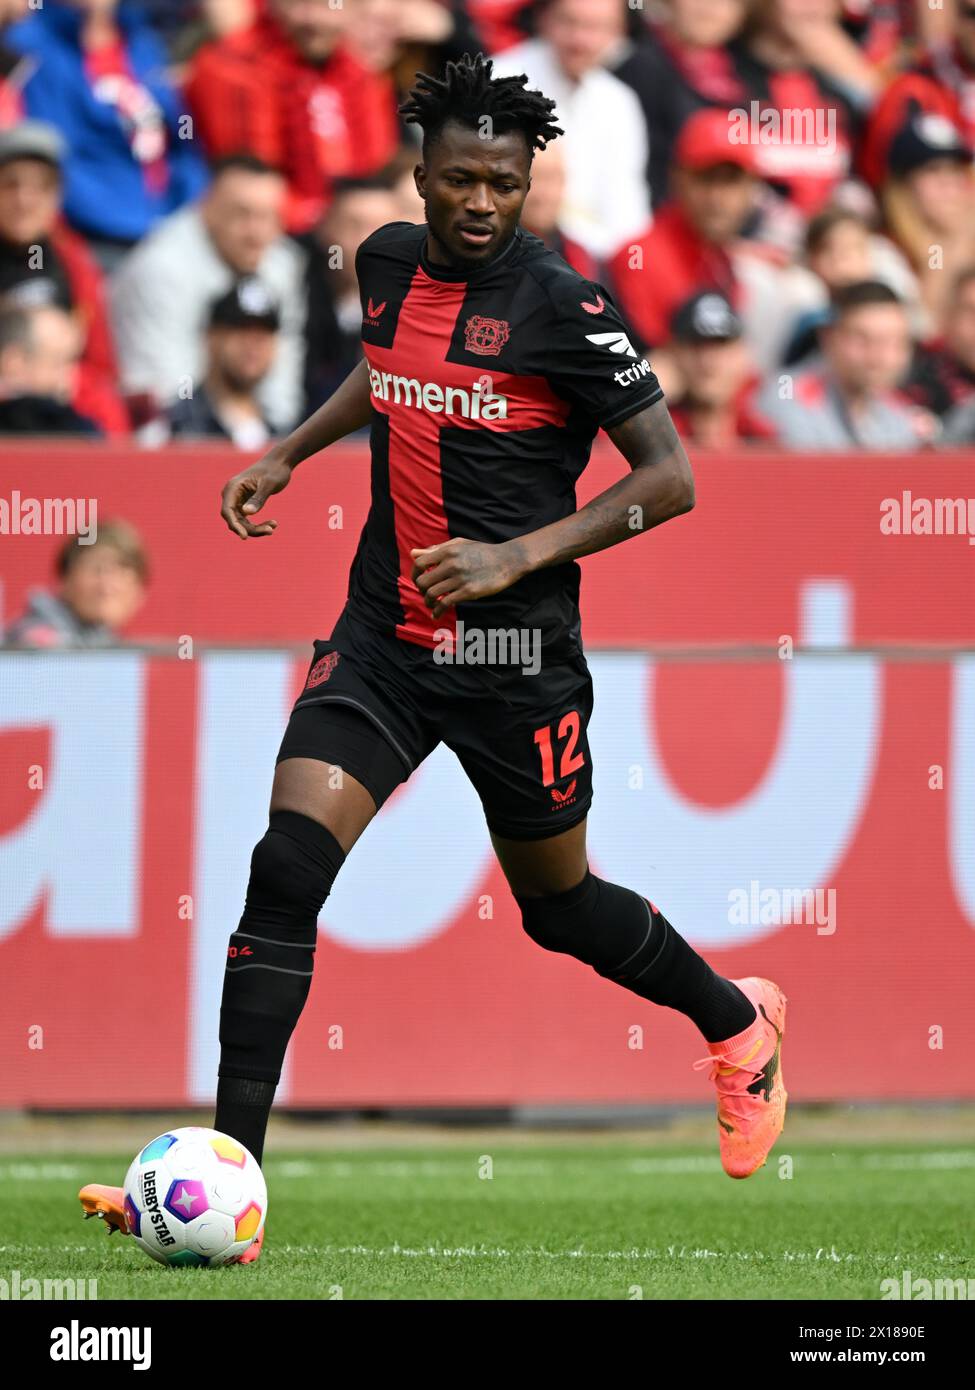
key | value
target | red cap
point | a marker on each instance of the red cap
(707, 139)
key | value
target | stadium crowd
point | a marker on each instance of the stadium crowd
(779, 193)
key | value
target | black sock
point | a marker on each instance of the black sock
(679, 978)
(625, 939)
(243, 1107)
(269, 969)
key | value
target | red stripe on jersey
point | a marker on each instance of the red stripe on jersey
(415, 386)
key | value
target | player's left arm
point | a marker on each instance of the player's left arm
(660, 485)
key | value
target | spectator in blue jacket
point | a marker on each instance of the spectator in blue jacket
(99, 75)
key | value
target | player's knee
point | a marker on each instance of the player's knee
(564, 922)
(292, 871)
(601, 924)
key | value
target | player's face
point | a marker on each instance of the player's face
(869, 349)
(474, 190)
(30, 193)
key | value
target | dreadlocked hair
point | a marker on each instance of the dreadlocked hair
(467, 93)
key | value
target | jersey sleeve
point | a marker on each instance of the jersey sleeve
(591, 359)
(381, 238)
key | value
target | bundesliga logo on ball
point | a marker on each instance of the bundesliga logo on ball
(195, 1196)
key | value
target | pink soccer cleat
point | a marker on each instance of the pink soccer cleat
(253, 1250)
(747, 1073)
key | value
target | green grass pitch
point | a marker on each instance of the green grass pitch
(603, 1219)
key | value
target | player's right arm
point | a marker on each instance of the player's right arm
(347, 410)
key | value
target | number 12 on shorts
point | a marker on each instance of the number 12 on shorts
(567, 736)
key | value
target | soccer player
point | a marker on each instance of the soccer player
(489, 366)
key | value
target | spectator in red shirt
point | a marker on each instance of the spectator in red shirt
(714, 403)
(289, 90)
(693, 242)
(43, 262)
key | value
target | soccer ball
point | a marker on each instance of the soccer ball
(195, 1196)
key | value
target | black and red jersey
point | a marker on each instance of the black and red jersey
(488, 388)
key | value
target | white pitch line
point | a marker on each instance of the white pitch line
(668, 1254)
(509, 1166)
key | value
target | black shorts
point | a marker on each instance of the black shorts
(377, 706)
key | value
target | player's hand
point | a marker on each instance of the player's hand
(248, 491)
(458, 570)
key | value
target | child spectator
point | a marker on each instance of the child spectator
(102, 585)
